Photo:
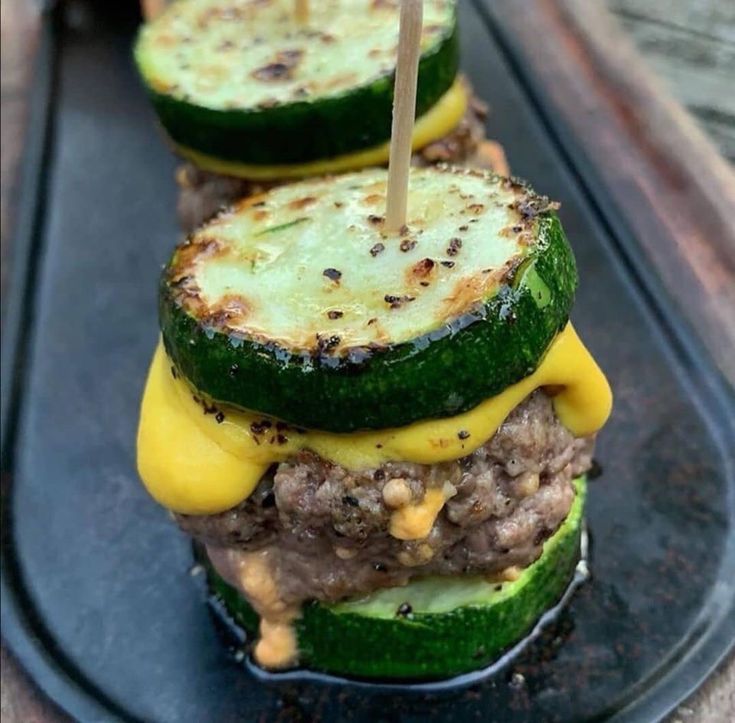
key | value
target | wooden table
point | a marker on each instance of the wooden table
(691, 46)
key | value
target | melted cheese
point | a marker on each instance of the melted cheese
(414, 522)
(192, 464)
(436, 123)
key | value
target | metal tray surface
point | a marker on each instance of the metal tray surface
(97, 601)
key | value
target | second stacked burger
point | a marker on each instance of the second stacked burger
(251, 97)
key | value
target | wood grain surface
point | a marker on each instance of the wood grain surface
(690, 44)
(691, 47)
(672, 185)
(19, 32)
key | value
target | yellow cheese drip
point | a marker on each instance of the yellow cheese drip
(192, 464)
(436, 123)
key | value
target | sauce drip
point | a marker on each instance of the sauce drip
(252, 574)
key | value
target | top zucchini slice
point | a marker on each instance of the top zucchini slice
(298, 305)
(244, 82)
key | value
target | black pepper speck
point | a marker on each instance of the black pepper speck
(375, 250)
(455, 245)
(404, 610)
(332, 274)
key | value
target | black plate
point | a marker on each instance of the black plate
(96, 599)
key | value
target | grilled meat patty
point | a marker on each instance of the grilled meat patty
(328, 528)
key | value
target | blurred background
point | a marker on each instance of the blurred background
(688, 44)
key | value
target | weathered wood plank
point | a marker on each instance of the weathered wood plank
(19, 33)
(712, 18)
(21, 701)
(697, 67)
(714, 702)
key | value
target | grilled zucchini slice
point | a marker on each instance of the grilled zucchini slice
(243, 82)
(298, 305)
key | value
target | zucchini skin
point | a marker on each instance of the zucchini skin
(308, 130)
(444, 372)
(427, 645)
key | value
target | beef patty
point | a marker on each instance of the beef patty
(328, 528)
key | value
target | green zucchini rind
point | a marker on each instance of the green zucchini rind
(235, 122)
(429, 363)
(456, 625)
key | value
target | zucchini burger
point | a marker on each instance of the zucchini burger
(379, 438)
(251, 97)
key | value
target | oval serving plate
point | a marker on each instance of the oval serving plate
(97, 601)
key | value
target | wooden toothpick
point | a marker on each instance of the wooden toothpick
(404, 112)
(151, 9)
(302, 11)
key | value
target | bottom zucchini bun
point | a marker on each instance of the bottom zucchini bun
(433, 627)
(354, 421)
